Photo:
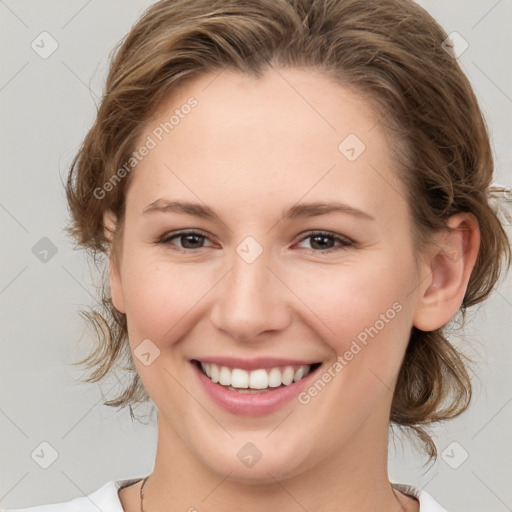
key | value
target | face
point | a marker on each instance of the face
(270, 277)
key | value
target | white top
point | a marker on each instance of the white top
(106, 499)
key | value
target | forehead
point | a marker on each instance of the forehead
(287, 134)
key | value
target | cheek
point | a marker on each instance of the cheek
(160, 298)
(362, 310)
(343, 302)
(350, 296)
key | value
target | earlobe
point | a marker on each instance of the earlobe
(448, 270)
(116, 289)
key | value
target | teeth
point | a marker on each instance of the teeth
(225, 376)
(256, 379)
(274, 378)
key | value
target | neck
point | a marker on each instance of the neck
(352, 479)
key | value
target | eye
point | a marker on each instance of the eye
(323, 241)
(190, 240)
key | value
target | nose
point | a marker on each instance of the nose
(251, 301)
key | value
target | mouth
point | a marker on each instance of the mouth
(256, 381)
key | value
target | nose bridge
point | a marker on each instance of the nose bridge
(250, 301)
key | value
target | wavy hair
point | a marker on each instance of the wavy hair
(393, 53)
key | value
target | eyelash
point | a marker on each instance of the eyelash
(344, 242)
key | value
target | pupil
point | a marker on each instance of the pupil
(188, 237)
(322, 245)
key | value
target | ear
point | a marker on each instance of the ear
(447, 269)
(116, 288)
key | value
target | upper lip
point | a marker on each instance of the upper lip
(253, 364)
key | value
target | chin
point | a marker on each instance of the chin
(266, 470)
(261, 474)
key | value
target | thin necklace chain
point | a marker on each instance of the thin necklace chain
(142, 493)
(146, 479)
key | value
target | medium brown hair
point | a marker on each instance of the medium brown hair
(389, 51)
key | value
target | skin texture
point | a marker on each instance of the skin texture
(249, 150)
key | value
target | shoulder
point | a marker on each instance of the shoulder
(106, 499)
(427, 503)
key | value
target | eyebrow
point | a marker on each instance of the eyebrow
(301, 210)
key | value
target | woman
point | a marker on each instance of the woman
(294, 199)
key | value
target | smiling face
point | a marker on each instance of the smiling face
(257, 280)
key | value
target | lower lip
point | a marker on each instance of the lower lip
(256, 404)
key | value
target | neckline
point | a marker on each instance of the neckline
(409, 490)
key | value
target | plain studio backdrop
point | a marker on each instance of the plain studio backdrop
(48, 93)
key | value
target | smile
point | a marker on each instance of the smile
(241, 380)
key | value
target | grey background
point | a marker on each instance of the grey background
(47, 106)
